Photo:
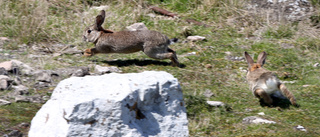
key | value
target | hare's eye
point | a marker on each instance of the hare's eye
(89, 31)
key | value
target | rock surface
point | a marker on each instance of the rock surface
(103, 70)
(4, 102)
(290, 10)
(215, 103)
(4, 82)
(136, 104)
(256, 120)
(195, 38)
(137, 26)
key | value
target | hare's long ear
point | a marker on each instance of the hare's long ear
(262, 58)
(249, 59)
(99, 20)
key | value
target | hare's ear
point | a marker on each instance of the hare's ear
(262, 58)
(249, 59)
(99, 20)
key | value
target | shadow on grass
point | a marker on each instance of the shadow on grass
(283, 103)
(130, 62)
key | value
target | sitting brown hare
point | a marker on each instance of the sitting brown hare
(264, 83)
(152, 43)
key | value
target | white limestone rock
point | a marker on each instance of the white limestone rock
(137, 104)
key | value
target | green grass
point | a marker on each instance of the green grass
(64, 22)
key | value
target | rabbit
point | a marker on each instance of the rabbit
(152, 43)
(264, 83)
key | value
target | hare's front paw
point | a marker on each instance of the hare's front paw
(88, 53)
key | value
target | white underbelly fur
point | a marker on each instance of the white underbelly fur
(271, 86)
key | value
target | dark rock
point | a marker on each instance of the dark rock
(24, 125)
(14, 133)
(21, 90)
(41, 85)
(43, 76)
(17, 81)
(3, 71)
(83, 71)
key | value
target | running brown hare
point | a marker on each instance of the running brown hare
(152, 43)
(264, 83)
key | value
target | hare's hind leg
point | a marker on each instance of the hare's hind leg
(288, 94)
(161, 52)
(260, 93)
(174, 57)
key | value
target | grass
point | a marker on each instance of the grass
(292, 50)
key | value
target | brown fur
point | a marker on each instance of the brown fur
(152, 43)
(254, 67)
(288, 94)
(257, 78)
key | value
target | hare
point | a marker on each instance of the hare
(152, 43)
(264, 83)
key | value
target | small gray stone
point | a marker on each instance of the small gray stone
(15, 133)
(83, 71)
(137, 26)
(20, 98)
(195, 38)
(3, 71)
(17, 81)
(4, 102)
(40, 85)
(256, 120)
(43, 76)
(215, 103)
(36, 99)
(21, 90)
(4, 82)
(24, 125)
(102, 70)
(301, 128)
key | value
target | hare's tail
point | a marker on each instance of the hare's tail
(173, 40)
(288, 94)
